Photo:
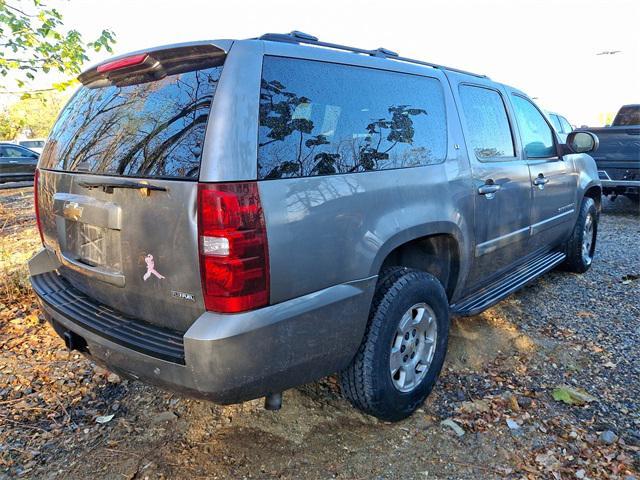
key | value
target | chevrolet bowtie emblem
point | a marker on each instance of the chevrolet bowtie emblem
(72, 211)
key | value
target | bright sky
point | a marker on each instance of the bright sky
(546, 48)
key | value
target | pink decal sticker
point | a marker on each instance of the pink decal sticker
(151, 268)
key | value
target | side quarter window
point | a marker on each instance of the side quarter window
(320, 118)
(537, 136)
(488, 129)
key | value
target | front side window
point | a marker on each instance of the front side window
(489, 133)
(319, 118)
(18, 152)
(537, 136)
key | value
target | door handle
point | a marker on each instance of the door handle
(489, 189)
(541, 181)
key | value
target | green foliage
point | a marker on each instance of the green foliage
(33, 41)
(34, 113)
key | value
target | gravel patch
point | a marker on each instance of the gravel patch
(545, 384)
(597, 315)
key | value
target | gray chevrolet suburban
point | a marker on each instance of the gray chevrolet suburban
(229, 219)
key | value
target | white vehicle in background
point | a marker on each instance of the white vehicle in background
(35, 144)
(561, 124)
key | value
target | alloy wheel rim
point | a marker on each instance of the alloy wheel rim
(413, 347)
(587, 239)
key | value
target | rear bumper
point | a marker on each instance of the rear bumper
(230, 358)
(619, 180)
(621, 183)
(620, 187)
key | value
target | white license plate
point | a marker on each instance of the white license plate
(88, 243)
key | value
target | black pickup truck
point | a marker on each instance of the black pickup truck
(618, 157)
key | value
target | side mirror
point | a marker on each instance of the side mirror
(582, 142)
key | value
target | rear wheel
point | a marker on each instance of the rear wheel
(581, 245)
(404, 345)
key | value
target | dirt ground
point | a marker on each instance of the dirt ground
(61, 416)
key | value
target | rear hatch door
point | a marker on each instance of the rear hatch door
(118, 182)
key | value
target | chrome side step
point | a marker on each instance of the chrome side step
(501, 288)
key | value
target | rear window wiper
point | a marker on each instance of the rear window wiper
(108, 187)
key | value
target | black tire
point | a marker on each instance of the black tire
(576, 261)
(367, 382)
(634, 197)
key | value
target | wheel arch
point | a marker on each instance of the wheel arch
(437, 251)
(594, 191)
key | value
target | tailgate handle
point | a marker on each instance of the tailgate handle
(106, 276)
(108, 187)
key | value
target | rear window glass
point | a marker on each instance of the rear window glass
(32, 143)
(153, 129)
(319, 118)
(628, 115)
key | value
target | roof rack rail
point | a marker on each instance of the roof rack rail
(298, 37)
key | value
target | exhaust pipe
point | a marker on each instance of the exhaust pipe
(273, 401)
(74, 341)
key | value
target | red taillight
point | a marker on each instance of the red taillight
(36, 181)
(122, 63)
(234, 258)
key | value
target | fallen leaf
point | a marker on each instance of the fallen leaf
(477, 406)
(572, 396)
(513, 403)
(104, 418)
(547, 460)
(453, 426)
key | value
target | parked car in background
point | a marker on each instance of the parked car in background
(618, 157)
(326, 213)
(35, 144)
(17, 163)
(561, 124)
